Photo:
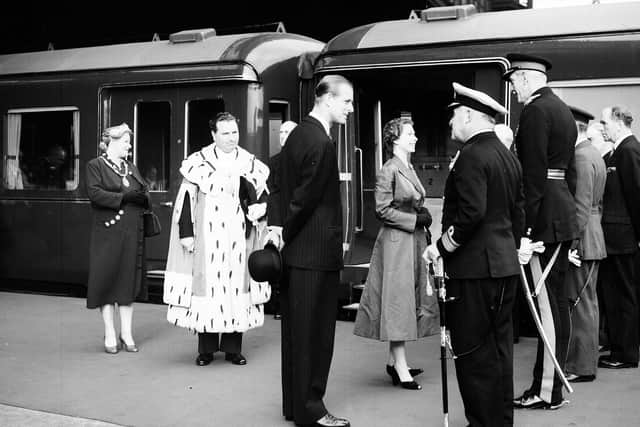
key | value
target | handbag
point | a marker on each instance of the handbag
(151, 224)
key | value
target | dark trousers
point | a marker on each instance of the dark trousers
(210, 342)
(480, 320)
(309, 306)
(621, 305)
(558, 305)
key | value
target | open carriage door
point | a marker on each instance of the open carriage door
(156, 119)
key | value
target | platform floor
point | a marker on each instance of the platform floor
(52, 362)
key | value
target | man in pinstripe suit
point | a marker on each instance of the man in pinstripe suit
(306, 222)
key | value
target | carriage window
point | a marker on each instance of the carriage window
(278, 113)
(152, 143)
(41, 149)
(422, 94)
(199, 112)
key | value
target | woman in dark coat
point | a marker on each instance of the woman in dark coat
(118, 195)
(398, 304)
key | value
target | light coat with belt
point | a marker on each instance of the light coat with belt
(395, 304)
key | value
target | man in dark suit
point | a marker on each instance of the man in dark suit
(482, 221)
(586, 251)
(309, 213)
(545, 144)
(621, 226)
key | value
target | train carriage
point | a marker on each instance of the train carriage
(406, 67)
(55, 104)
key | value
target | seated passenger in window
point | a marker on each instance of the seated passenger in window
(50, 170)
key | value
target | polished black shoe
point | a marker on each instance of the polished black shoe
(604, 348)
(410, 385)
(204, 359)
(614, 364)
(573, 378)
(395, 379)
(235, 358)
(277, 316)
(332, 421)
(414, 372)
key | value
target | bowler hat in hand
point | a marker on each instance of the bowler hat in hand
(265, 265)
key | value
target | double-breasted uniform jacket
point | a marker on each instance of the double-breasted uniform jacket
(545, 140)
(395, 304)
(311, 216)
(482, 216)
(116, 254)
(592, 175)
(621, 206)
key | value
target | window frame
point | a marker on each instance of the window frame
(76, 146)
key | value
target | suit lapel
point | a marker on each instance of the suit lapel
(316, 122)
(410, 176)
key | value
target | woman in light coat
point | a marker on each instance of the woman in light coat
(398, 304)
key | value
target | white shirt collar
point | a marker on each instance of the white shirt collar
(325, 124)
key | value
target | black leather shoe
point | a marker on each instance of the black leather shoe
(235, 358)
(204, 359)
(414, 372)
(573, 378)
(614, 364)
(395, 379)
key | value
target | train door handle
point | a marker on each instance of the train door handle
(167, 204)
(360, 226)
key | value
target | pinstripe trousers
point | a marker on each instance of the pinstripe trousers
(309, 306)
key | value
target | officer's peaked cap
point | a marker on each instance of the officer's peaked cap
(581, 115)
(520, 61)
(475, 100)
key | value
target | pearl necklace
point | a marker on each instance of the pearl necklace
(116, 169)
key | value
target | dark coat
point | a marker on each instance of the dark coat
(545, 139)
(116, 254)
(395, 304)
(621, 213)
(592, 176)
(309, 206)
(483, 211)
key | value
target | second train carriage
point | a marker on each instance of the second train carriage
(55, 104)
(406, 68)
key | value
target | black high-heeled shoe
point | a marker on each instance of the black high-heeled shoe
(395, 379)
(414, 372)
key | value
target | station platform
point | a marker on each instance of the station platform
(54, 372)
